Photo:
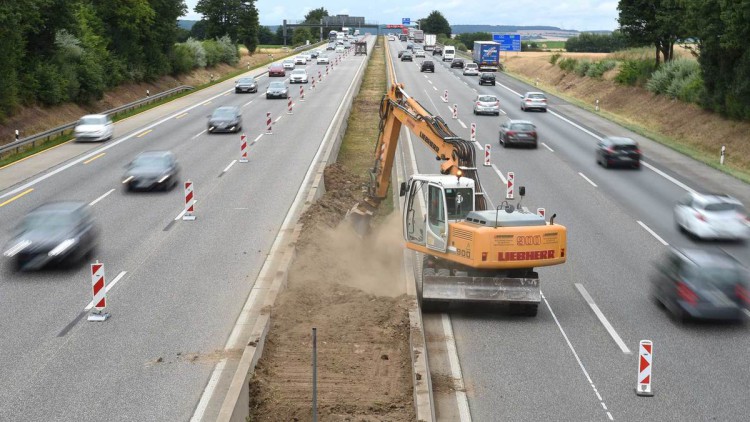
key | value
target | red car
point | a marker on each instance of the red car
(276, 70)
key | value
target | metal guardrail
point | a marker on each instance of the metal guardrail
(61, 130)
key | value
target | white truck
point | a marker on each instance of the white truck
(429, 42)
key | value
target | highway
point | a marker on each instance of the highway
(177, 287)
(577, 360)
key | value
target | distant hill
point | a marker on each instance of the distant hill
(185, 24)
(460, 29)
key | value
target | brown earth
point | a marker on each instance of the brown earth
(352, 291)
(37, 118)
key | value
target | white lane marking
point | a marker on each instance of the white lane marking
(587, 179)
(95, 201)
(653, 233)
(200, 410)
(229, 166)
(201, 133)
(499, 174)
(429, 81)
(425, 76)
(195, 201)
(435, 88)
(570, 346)
(547, 146)
(247, 103)
(474, 89)
(256, 139)
(107, 288)
(604, 406)
(479, 145)
(609, 415)
(462, 124)
(603, 319)
(278, 118)
(458, 379)
(668, 177)
(450, 109)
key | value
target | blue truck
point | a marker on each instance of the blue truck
(486, 55)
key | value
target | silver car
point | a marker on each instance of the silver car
(323, 59)
(471, 69)
(487, 104)
(298, 76)
(94, 127)
(712, 216)
(288, 64)
(534, 101)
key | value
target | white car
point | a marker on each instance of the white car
(339, 48)
(712, 216)
(307, 57)
(298, 76)
(487, 104)
(288, 64)
(300, 60)
(323, 59)
(94, 127)
(471, 69)
(418, 53)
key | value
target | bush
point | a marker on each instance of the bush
(568, 64)
(635, 72)
(597, 69)
(553, 58)
(182, 59)
(213, 52)
(582, 67)
(199, 53)
(596, 43)
(670, 78)
(692, 89)
(50, 85)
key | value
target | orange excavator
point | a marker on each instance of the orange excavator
(470, 253)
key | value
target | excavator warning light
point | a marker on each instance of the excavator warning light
(459, 173)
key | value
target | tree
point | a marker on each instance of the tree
(198, 31)
(221, 17)
(315, 15)
(301, 35)
(468, 38)
(657, 22)
(435, 23)
(266, 36)
(247, 21)
(280, 35)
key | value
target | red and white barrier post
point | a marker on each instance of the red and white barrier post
(269, 123)
(289, 107)
(473, 135)
(189, 202)
(99, 290)
(243, 148)
(445, 96)
(455, 111)
(320, 77)
(301, 93)
(541, 212)
(645, 360)
(511, 185)
(326, 70)
(313, 82)
(487, 152)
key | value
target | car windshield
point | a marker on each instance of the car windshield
(93, 120)
(723, 206)
(223, 113)
(626, 147)
(288, 61)
(151, 161)
(471, 65)
(522, 127)
(277, 85)
(459, 203)
(487, 99)
(247, 81)
(536, 96)
(299, 72)
(49, 221)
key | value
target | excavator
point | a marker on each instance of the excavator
(471, 254)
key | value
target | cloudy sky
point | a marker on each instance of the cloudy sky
(567, 14)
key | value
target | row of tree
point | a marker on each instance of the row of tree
(597, 43)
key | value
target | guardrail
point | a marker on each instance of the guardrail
(45, 136)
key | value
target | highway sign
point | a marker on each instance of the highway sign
(405, 21)
(508, 42)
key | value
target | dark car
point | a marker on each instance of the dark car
(54, 233)
(699, 283)
(410, 46)
(518, 132)
(437, 51)
(459, 63)
(277, 90)
(314, 54)
(276, 70)
(246, 85)
(487, 78)
(225, 119)
(618, 151)
(401, 53)
(407, 57)
(152, 170)
(427, 65)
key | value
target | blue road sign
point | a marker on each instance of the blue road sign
(405, 21)
(508, 42)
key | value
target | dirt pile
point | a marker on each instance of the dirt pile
(352, 291)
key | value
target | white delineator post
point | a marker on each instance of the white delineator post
(540, 212)
(511, 185)
(301, 93)
(645, 360)
(445, 96)
(487, 152)
(100, 293)
(189, 202)
(269, 123)
(243, 149)
(473, 134)
(455, 111)
(723, 150)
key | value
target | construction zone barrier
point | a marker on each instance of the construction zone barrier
(455, 111)
(289, 107)
(445, 96)
(645, 360)
(473, 133)
(189, 202)
(98, 287)
(301, 93)
(540, 212)
(243, 148)
(510, 185)
(487, 152)
(269, 123)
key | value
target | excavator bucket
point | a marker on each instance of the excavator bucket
(359, 220)
(444, 289)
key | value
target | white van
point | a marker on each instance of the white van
(449, 53)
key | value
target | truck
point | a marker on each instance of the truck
(410, 33)
(471, 252)
(419, 36)
(429, 42)
(486, 54)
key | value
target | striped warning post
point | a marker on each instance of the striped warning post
(269, 123)
(511, 185)
(98, 288)
(455, 111)
(301, 93)
(473, 134)
(243, 149)
(645, 360)
(289, 107)
(487, 152)
(189, 202)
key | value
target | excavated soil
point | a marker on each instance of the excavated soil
(352, 291)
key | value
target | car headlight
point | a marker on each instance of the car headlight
(18, 247)
(62, 247)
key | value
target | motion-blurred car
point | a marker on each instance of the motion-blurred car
(288, 64)
(457, 63)
(225, 119)
(401, 53)
(152, 170)
(618, 151)
(323, 59)
(300, 60)
(410, 45)
(518, 132)
(471, 69)
(487, 78)
(331, 46)
(314, 54)
(701, 284)
(712, 216)
(347, 45)
(486, 104)
(308, 57)
(407, 57)
(339, 48)
(94, 127)
(54, 233)
(534, 101)
(298, 76)
(437, 51)
(277, 90)
(276, 70)
(427, 66)
(419, 53)
(246, 85)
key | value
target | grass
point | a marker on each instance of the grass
(358, 147)
(556, 45)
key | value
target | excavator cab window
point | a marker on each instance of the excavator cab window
(415, 220)
(460, 202)
(437, 227)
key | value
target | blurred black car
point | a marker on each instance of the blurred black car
(617, 151)
(437, 51)
(427, 66)
(152, 170)
(407, 57)
(487, 78)
(701, 284)
(225, 119)
(277, 90)
(518, 132)
(54, 233)
(401, 53)
(245, 85)
(459, 63)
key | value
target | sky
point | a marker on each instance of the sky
(567, 14)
